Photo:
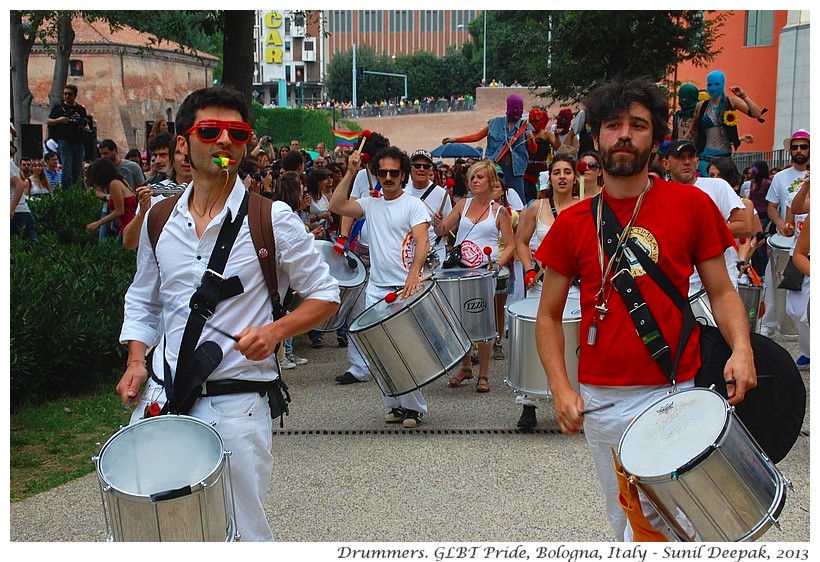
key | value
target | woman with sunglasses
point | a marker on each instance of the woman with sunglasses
(556, 187)
(593, 173)
(479, 220)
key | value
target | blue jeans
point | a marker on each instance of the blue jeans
(22, 224)
(71, 157)
(513, 181)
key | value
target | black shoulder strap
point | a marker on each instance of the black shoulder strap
(626, 286)
(552, 207)
(429, 189)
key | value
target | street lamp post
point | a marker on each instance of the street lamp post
(484, 51)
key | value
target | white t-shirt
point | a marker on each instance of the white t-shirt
(22, 206)
(727, 201)
(392, 246)
(361, 189)
(785, 185)
(432, 203)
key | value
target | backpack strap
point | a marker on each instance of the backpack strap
(261, 227)
(158, 216)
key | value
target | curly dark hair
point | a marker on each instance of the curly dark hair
(101, 173)
(610, 100)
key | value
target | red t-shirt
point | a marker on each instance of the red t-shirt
(678, 226)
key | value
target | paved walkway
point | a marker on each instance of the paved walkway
(465, 475)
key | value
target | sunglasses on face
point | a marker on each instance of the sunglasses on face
(800, 147)
(384, 173)
(422, 166)
(211, 129)
(592, 166)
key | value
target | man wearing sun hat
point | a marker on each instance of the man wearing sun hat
(434, 197)
(785, 185)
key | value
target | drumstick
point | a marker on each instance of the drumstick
(489, 253)
(597, 408)
(432, 211)
(365, 135)
(224, 333)
(581, 167)
(391, 297)
(448, 185)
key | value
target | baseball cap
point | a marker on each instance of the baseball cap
(423, 154)
(679, 145)
(802, 134)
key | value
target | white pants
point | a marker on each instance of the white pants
(603, 431)
(770, 320)
(358, 366)
(244, 422)
(796, 304)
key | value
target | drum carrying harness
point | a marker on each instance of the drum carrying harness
(194, 365)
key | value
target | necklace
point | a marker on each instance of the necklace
(602, 298)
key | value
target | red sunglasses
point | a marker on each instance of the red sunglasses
(211, 129)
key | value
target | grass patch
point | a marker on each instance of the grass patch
(52, 443)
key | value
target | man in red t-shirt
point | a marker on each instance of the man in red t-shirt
(680, 228)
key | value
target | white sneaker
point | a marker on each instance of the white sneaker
(285, 364)
(296, 360)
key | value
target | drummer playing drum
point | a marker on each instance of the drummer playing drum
(679, 227)
(399, 243)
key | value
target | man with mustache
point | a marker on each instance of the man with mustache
(680, 229)
(399, 242)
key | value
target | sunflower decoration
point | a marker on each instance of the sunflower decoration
(730, 118)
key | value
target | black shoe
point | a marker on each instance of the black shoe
(527, 419)
(395, 415)
(316, 344)
(342, 341)
(347, 378)
(411, 419)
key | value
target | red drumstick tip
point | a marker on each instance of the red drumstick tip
(487, 250)
(390, 297)
(365, 158)
(742, 240)
(450, 183)
(582, 167)
(366, 134)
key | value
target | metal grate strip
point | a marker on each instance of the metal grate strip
(416, 432)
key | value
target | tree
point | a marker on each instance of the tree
(580, 48)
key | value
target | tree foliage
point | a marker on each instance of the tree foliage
(577, 49)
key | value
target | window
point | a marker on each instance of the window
(340, 21)
(431, 20)
(759, 28)
(370, 21)
(287, 45)
(401, 20)
(75, 67)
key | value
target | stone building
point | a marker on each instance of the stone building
(123, 84)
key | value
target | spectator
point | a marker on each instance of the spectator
(159, 127)
(160, 148)
(38, 184)
(67, 123)
(22, 221)
(109, 184)
(53, 171)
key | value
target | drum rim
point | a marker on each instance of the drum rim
(446, 275)
(213, 476)
(426, 286)
(508, 309)
(772, 238)
(690, 464)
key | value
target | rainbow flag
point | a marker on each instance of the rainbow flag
(346, 138)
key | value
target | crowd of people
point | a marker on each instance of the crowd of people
(399, 106)
(530, 212)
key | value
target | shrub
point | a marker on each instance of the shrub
(65, 215)
(309, 126)
(66, 308)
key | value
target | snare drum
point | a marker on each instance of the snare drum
(752, 297)
(351, 283)
(471, 293)
(502, 280)
(165, 479)
(525, 373)
(778, 247)
(410, 342)
(702, 308)
(692, 457)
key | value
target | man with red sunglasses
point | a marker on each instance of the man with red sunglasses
(158, 305)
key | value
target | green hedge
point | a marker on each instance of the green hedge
(308, 126)
(66, 302)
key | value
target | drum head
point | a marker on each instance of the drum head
(160, 454)
(383, 310)
(339, 267)
(780, 242)
(504, 272)
(672, 432)
(525, 308)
